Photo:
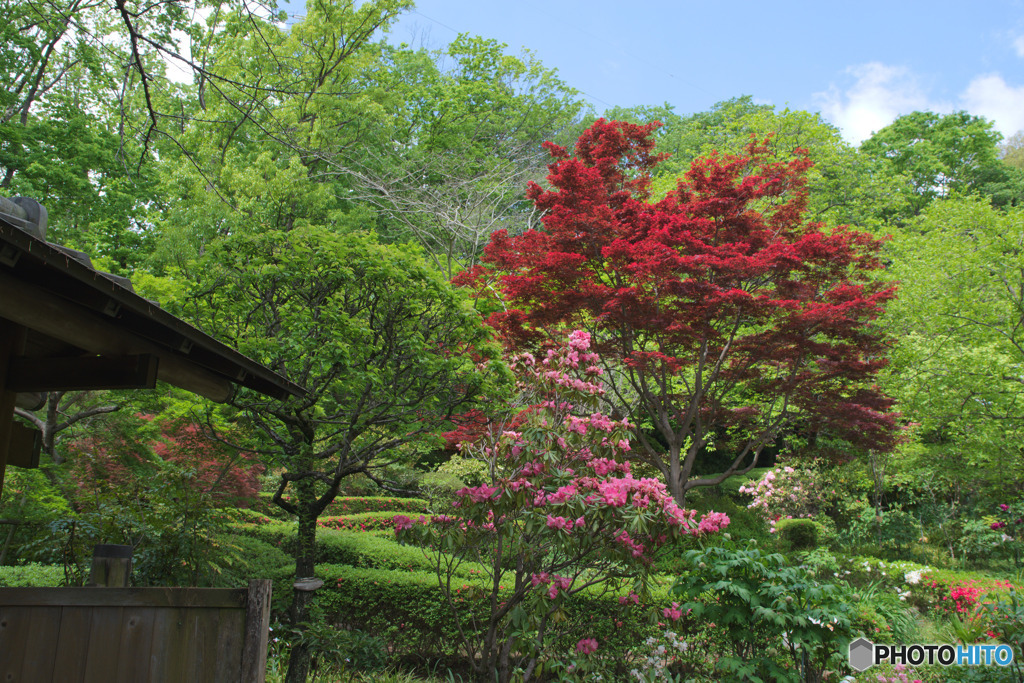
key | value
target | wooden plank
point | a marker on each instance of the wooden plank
(44, 625)
(125, 597)
(257, 624)
(14, 626)
(230, 639)
(26, 444)
(83, 372)
(137, 626)
(104, 645)
(175, 666)
(165, 624)
(72, 643)
(205, 623)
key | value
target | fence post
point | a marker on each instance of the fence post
(257, 623)
(111, 566)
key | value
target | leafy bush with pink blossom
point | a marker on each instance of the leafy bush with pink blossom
(787, 492)
(561, 513)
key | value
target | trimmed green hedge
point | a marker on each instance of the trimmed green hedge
(355, 505)
(366, 521)
(376, 551)
(800, 534)
(31, 575)
(407, 609)
(345, 505)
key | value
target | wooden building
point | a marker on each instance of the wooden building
(64, 325)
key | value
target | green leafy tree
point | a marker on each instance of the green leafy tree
(383, 346)
(843, 186)
(463, 140)
(956, 366)
(942, 155)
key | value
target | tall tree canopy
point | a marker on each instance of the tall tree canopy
(382, 344)
(730, 317)
(959, 330)
(944, 155)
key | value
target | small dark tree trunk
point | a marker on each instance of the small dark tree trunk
(305, 566)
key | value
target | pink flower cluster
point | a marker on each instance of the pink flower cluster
(564, 524)
(586, 646)
(479, 494)
(673, 612)
(787, 492)
(554, 582)
(712, 522)
(632, 598)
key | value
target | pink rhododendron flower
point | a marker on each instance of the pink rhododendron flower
(713, 521)
(402, 522)
(673, 612)
(479, 494)
(579, 340)
(559, 523)
(586, 646)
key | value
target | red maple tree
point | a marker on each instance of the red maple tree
(728, 317)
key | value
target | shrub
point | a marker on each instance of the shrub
(756, 599)
(562, 512)
(252, 558)
(408, 609)
(799, 534)
(359, 549)
(32, 575)
(367, 521)
(952, 592)
(355, 505)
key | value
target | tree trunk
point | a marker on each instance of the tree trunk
(305, 566)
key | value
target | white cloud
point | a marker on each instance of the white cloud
(879, 94)
(992, 97)
(1018, 45)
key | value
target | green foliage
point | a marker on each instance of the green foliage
(799, 534)
(1006, 615)
(408, 608)
(955, 367)
(889, 531)
(755, 598)
(31, 574)
(354, 505)
(844, 186)
(939, 154)
(338, 652)
(470, 471)
(252, 558)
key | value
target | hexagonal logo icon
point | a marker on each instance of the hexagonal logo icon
(862, 654)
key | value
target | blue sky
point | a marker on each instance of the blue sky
(860, 64)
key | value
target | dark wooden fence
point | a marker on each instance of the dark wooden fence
(193, 635)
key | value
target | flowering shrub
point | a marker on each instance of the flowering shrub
(367, 521)
(664, 652)
(952, 593)
(788, 492)
(562, 513)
